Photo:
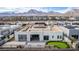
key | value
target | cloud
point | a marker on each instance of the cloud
(39, 3)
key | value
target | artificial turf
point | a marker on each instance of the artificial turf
(58, 44)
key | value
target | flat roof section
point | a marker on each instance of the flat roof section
(56, 29)
(72, 27)
(41, 28)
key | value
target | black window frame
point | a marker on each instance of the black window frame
(22, 37)
(46, 37)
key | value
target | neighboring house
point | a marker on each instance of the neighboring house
(71, 31)
(6, 31)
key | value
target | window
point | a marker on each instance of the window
(75, 36)
(46, 37)
(58, 37)
(34, 37)
(52, 36)
(1, 38)
(22, 37)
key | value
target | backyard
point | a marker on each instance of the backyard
(58, 44)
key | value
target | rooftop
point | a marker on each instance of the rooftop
(56, 29)
(72, 27)
(40, 28)
(7, 27)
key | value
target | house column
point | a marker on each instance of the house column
(41, 37)
(28, 36)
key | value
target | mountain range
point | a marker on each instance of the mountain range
(38, 11)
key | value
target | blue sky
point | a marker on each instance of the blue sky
(57, 9)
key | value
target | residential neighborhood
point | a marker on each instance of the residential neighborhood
(47, 31)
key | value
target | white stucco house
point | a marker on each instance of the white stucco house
(71, 31)
(39, 32)
(6, 31)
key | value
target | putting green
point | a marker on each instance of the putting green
(58, 44)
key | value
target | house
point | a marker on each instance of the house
(6, 31)
(71, 31)
(39, 32)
